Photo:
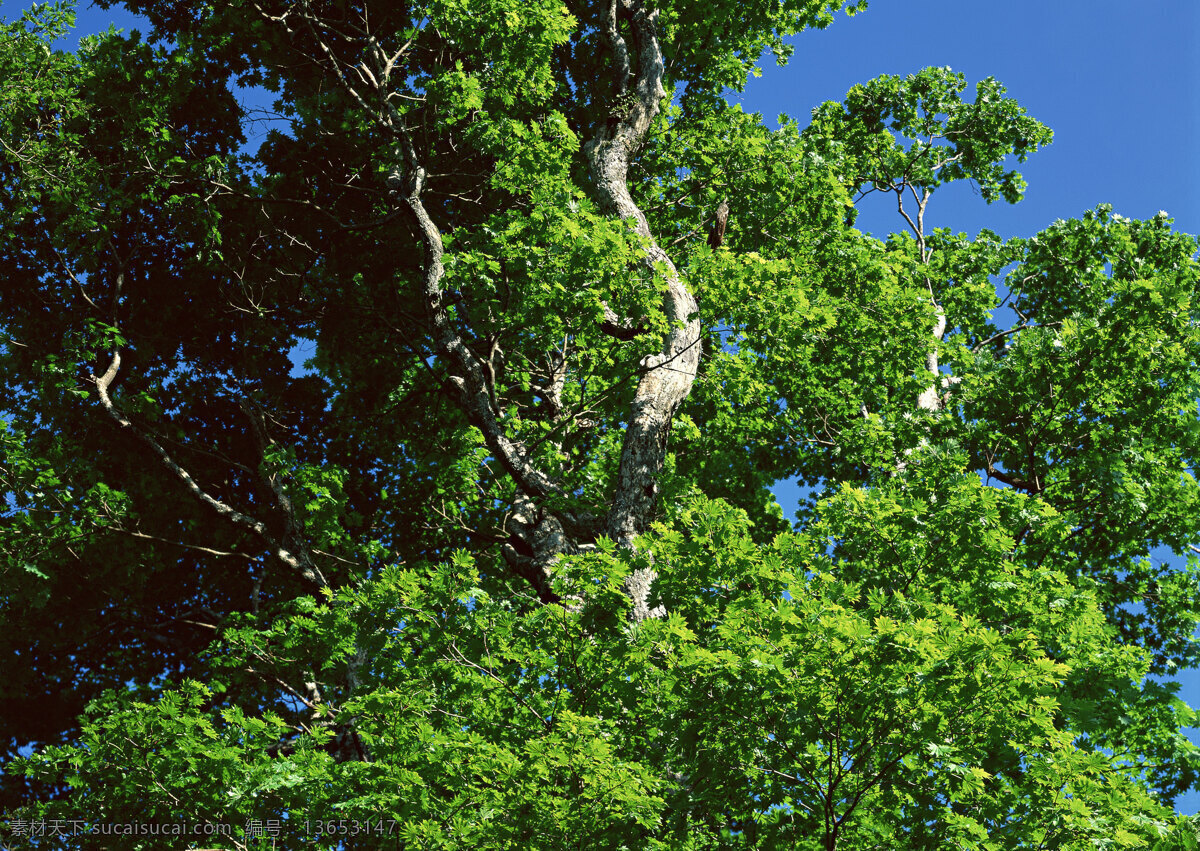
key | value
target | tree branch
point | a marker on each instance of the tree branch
(228, 512)
(660, 390)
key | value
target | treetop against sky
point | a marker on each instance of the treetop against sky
(504, 565)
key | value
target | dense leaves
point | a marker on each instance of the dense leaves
(319, 419)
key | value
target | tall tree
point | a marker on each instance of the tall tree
(501, 566)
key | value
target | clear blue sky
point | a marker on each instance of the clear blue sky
(1118, 82)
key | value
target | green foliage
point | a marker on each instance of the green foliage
(961, 642)
(794, 691)
(946, 138)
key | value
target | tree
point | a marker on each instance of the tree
(501, 566)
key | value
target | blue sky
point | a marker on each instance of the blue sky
(1118, 82)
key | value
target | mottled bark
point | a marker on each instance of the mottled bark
(537, 539)
(931, 397)
(293, 536)
(668, 375)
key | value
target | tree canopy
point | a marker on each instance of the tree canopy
(500, 566)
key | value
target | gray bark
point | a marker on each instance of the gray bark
(931, 397)
(668, 375)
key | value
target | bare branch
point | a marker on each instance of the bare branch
(982, 344)
(259, 528)
(133, 533)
